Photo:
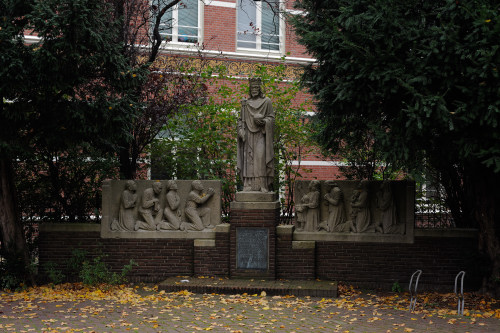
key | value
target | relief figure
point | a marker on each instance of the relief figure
(308, 209)
(198, 217)
(360, 213)
(126, 219)
(255, 155)
(337, 218)
(388, 223)
(150, 208)
(171, 213)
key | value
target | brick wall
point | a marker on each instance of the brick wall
(380, 264)
(293, 262)
(156, 258)
(220, 28)
(441, 255)
(212, 260)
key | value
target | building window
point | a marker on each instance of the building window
(181, 23)
(258, 25)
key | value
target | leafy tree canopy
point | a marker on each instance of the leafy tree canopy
(70, 86)
(420, 77)
(419, 81)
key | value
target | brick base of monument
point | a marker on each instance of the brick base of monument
(254, 217)
(440, 254)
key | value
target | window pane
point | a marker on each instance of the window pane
(270, 25)
(247, 18)
(270, 18)
(166, 25)
(188, 21)
(271, 43)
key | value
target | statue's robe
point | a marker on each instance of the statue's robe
(255, 144)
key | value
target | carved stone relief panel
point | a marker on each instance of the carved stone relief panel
(357, 207)
(140, 207)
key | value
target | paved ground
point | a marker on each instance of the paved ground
(78, 309)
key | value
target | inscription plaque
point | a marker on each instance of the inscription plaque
(252, 248)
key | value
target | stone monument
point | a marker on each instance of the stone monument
(256, 140)
(347, 210)
(255, 211)
(161, 208)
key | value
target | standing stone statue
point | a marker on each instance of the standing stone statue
(255, 140)
(126, 219)
(150, 208)
(198, 217)
(172, 213)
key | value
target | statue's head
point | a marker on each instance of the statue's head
(171, 185)
(314, 185)
(386, 185)
(131, 185)
(363, 185)
(332, 183)
(157, 187)
(197, 185)
(255, 87)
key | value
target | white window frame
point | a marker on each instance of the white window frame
(174, 43)
(258, 49)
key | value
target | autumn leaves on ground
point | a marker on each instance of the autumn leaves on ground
(79, 308)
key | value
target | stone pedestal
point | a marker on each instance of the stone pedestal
(254, 217)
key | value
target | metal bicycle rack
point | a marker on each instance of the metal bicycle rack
(413, 291)
(460, 295)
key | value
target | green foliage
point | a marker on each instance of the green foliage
(196, 144)
(13, 271)
(10, 274)
(90, 269)
(53, 273)
(418, 78)
(75, 262)
(413, 83)
(95, 272)
(72, 86)
(396, 288)
(201, 141)
(64, 186)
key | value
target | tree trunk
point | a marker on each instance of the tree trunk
(12, 233)
(483, 187)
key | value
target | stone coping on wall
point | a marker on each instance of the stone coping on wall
(140, 234)
(284, 230)
(447, 233)
(87, 227)
(351, 237)
(379, 238)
